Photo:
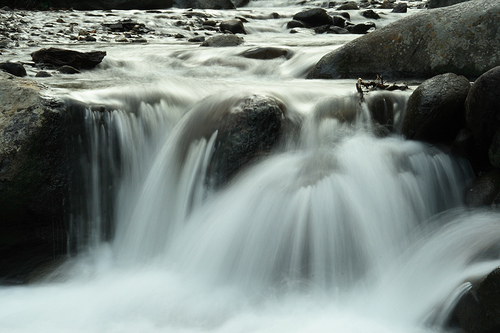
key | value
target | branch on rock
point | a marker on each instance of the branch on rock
(378, 84)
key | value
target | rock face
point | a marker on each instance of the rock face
(205, 4)
(33, 178)
(479, 310)
(435, 111)
(248, 127)
(61, 57)
(483, 108)
(461, 39)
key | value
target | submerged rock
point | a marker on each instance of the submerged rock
(436, 111)
(33, 178)
(264, 53)
(247, 127)
(61, 57)
(461, 39)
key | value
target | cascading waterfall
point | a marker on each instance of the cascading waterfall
(337, 230)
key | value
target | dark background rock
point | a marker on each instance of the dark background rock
(204, 4)
(370, 14)
(61, 57)
(33, 179)
(422, 45)
(483, 108)
(351, 5)
(400, 8)
(484, 190)
(435, 111)
(88, 4)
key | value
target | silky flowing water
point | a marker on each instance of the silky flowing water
(338, 229)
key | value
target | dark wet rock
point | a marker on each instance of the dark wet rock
(400, 8)
(13, 68)
(223, 41)
(443, 3)
(483, 108)
(266, 53)
(463, 144)
(494, 151)
(205, 4)
(33, 177)
(68, 70)
(313, 17)
(361, 28)
(478, 311)
(61, 57)
(233, 26)
(386, 4)
(248, 127)
(339, 21)
(435, 111)
(336, 30)
(295, 24)
(485, 190)
(351, 5)
(370, 14)
(422, 45)
(43, 74)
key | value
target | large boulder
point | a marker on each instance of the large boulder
(247, 126)
(478, 311)
(62, 57)
(205, 4)
(33, 178)
(461, 39)
(483, 108)
(435, 111)
(484, 190)
(443, 3)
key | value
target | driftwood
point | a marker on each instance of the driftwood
(378, 84)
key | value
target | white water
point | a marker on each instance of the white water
(336, 230)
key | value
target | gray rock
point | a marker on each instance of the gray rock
(483, 108)
(443, 3)
(435, 111)
(13, 68)
(461, 39)
(234, 26)
(43, 74)
(223, 41)
(400, 8)
(33, 177)
(313, 17)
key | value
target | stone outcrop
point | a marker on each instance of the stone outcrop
(33, 178)
(461, 39)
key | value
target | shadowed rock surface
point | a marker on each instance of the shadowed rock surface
(62, 57)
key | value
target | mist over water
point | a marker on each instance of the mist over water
(339, 228)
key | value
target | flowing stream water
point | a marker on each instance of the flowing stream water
(338, 229)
